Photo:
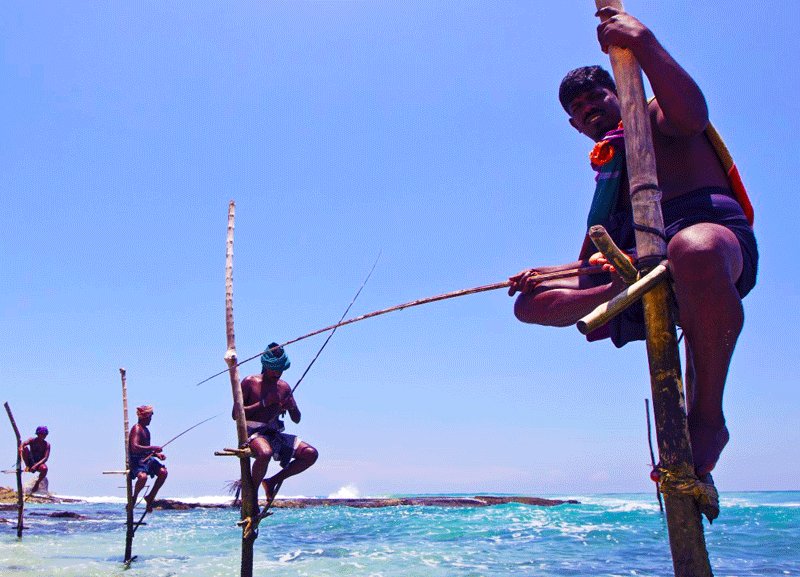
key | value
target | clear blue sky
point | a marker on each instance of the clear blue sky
(428, 130)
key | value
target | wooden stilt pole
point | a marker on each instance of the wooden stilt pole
(249, 510)
(687, 541)
(20, 497)
(129, 531)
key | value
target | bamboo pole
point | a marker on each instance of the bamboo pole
(608, 310)
(18, 470)
(566, 273)
(129, 530)
(606, 245)
(249, 508)
(684, 523)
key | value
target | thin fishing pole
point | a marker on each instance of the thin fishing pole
(344, 314)
(578, 271)
(189, 429)
(179, 435)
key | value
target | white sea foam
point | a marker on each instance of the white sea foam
(199, 500)
(93, 499)
(621, 504)
(347, 492)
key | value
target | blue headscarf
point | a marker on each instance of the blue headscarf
(273, 362)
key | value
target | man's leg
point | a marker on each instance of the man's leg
(262, 453)
(42, 470)
(706, 261)
(141, 479)
(304, 456)
(562, 302)
(161, 476)
(27, 458)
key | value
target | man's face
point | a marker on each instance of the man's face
(42, 436)
(595, 112)
(271, 375)
(146, 419)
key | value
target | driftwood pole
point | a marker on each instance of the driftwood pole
(249, 510)
(129, 531)
(20, 499)
(684, 523)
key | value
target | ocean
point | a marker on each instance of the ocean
(756, 534)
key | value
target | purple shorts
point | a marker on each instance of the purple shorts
(715, 205)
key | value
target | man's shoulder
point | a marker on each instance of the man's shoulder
(251, 380)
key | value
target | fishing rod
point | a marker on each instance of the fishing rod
(277, 412)
(566, 273)
(344, 314)
(180, 435)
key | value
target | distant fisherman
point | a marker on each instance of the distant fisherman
(266, 398)
(144, 457)
(34, 453)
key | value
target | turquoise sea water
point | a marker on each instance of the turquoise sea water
(605, 535)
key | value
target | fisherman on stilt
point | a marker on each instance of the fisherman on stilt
(711, 248)
(144, 458)
(34, 453)
(266, 398)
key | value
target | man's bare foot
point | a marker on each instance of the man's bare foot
(707, 445)
(149, 504)
(269, 491)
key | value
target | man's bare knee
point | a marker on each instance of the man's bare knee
(308, 454)
(705, 252)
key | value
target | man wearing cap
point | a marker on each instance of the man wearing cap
(144, 457)
(266, 398)
(34, 453)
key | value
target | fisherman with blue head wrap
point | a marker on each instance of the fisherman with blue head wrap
(273, 361)
(266, 398)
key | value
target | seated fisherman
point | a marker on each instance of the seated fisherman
(266, 398)
(34, 453)
(711, 247)
(144, 457)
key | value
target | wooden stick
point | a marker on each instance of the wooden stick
(20, 497)
(129, 528)
(684, 523)
(249, 509)
(566, 273)
(606, 245)
(608, 310)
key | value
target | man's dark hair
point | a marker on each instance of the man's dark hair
(581, 80)
(276, 349)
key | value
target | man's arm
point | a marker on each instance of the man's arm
(291, 406)
(137, 447)
(679, 108)
(22, 452)
(525, 281)
(247, 394)
(46, 455)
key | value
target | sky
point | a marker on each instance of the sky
(426, 131)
